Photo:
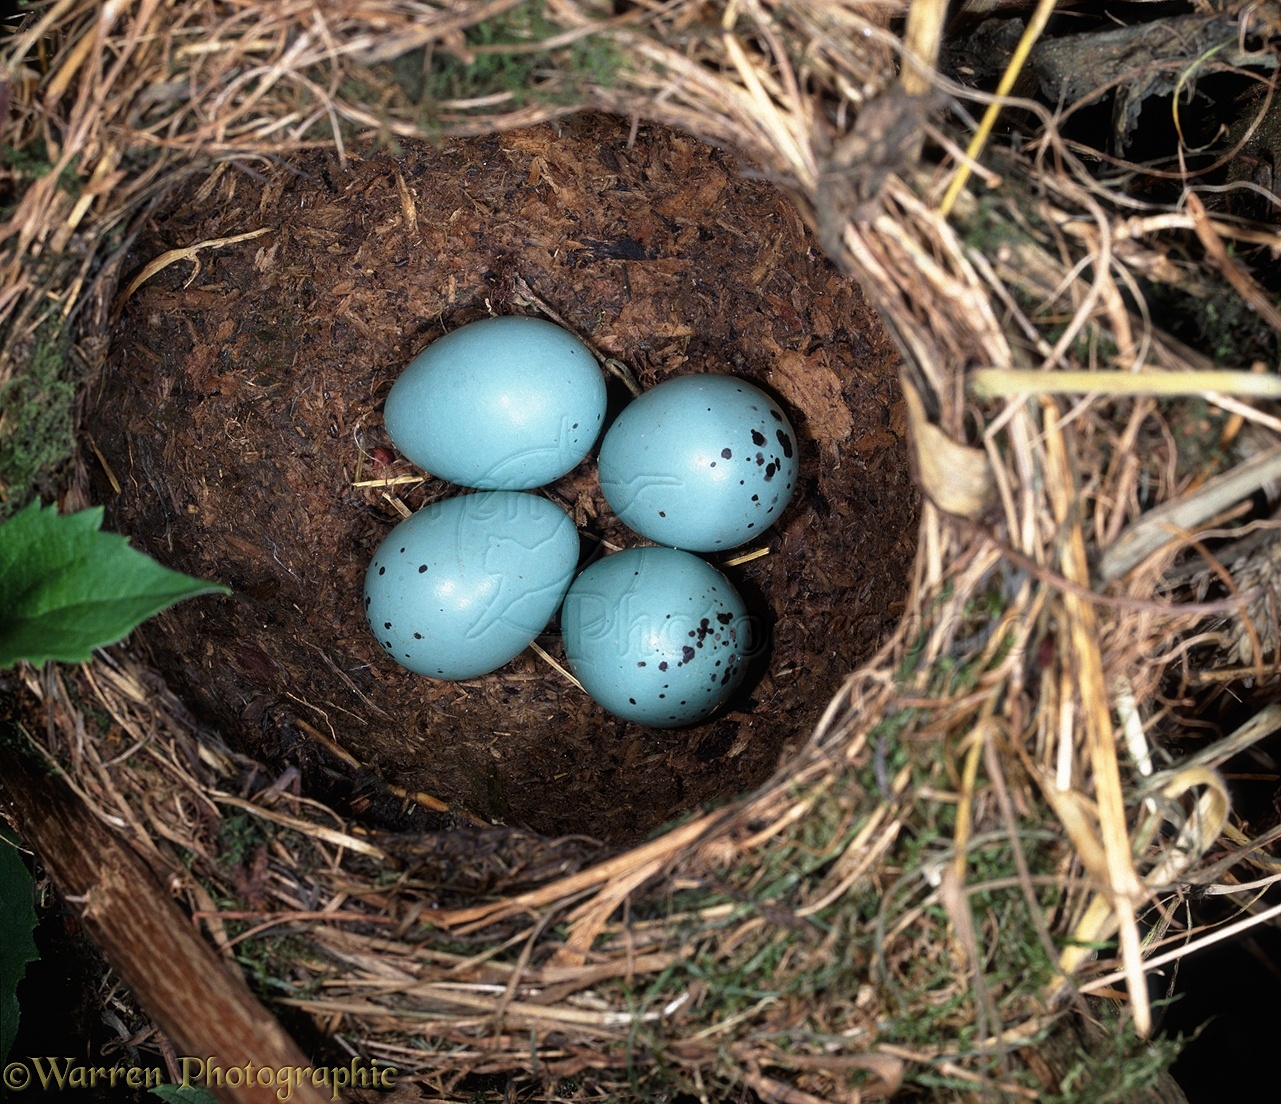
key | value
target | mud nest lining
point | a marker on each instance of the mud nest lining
(242, 412)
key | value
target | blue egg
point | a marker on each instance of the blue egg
(656, 635)
(703, 463)
(500, 404)
(462, 586)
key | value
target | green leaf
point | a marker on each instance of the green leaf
(67, 588)
(17, 948)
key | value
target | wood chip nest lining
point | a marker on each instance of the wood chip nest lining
(240, 408)
(982, 776)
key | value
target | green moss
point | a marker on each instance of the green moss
(36, 419)
(19, 166)
(238, 835)
(265, 959)
(990, 226)
(31, 162)
(1221, 324)
(523, 72)
(1117, 1066)
(509, 60)
(1197, 428)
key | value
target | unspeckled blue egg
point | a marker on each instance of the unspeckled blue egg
(463, 586)
(703, 462)
(656, 635)
(500, 404)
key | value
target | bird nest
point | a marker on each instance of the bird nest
(979, 846)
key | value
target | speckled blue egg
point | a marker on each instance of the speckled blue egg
(703, 463)
(462, 586)
(656, 635)
(500, 404)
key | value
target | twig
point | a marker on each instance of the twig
(991, 383)
(390, 481)
(1217, 254)
(1040, 17)
(541, 652)
(188, 253)
(1171, 956)
(747, 557)
(1176, 519)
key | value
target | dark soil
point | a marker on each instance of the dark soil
(243, 405)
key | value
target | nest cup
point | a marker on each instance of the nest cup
(241, 413)
(977, 814)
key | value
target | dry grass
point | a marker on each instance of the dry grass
(984, 827)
